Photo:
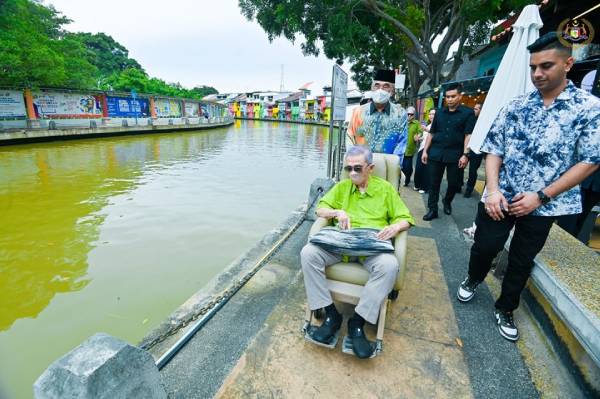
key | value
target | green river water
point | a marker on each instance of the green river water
(113, 234)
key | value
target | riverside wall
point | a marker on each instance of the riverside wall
(28, 115)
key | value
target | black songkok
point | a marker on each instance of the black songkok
(385, 75)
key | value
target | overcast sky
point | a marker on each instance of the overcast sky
(199, 42)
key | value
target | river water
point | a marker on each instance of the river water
(113, 234)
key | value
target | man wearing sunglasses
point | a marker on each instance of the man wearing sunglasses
(381, 124)
(362, 200)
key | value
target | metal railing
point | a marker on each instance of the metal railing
(335, 153)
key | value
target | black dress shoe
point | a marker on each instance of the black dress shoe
(430, 215)
(447, 208)
(327, 330)
(362, 348)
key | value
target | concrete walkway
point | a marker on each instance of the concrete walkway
(434, 346)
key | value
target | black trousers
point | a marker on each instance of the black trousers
(474, 163)
(421, 174)
(529, 238)
(407, 168)
(436, 172)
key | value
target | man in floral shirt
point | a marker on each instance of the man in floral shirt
(381, 124)
(538, 150)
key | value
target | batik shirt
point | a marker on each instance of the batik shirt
(385, 132)
(538, 144)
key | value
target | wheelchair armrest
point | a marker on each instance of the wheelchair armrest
(318, 225)
(400, 245)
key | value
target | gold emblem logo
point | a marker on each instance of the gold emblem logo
(575, 32)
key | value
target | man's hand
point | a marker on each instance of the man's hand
(392, 230)
(495, 203)
(424, 158)
(463, 161)
(523, 204)
(343, 220)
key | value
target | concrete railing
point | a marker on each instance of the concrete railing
(101, 367)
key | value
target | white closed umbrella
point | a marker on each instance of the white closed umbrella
(512, 78)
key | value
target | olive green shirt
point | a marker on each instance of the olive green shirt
(414, 128)
(379, 206)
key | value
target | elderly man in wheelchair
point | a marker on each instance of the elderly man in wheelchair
(362, 202)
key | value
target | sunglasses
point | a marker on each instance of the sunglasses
(410, 114)
(356, 168)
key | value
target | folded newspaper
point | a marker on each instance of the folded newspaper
(353, 242)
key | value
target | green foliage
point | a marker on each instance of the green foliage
(107, 55)
(373, 34)
(133, 78)
(34, 52)
(342, 30)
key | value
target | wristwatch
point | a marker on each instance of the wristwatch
(543, 197)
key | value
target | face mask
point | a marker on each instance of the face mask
(381, 96)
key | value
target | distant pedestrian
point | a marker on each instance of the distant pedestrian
(446, 149)
(414, 133)
(474, 161)
(421, 172)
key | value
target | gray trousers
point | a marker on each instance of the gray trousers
(383, 270)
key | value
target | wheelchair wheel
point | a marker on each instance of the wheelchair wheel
(393, 295)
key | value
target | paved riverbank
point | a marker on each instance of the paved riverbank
(434, 346)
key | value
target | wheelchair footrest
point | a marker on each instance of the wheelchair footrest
(347, 347)
(330, 345)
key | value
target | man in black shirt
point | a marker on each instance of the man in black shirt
(446, 149)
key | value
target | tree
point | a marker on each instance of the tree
(202, 91)
(133, 78)
(34, 51)
(383, 33)
(106, 54)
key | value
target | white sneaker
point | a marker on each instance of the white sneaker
(421, 191)
(466, 290)
(470, 231)
(506, 325)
